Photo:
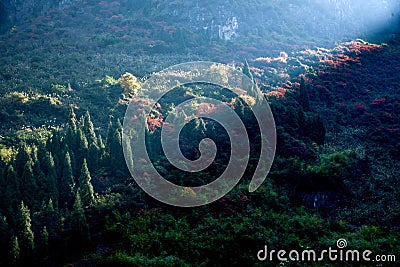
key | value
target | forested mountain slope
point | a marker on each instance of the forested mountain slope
(69, 68)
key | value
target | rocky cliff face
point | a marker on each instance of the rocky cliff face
(229, 19)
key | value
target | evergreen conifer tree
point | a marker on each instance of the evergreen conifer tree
(12, 192)
(24, 231)
(72, 119)
(80, 229)
(28, 184)
(85, 190)
(51, 178)
(67, 182)
(304, 99)
(21, 158)
(89, 129)
(14, 250)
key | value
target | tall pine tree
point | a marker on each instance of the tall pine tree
(28, 184)
(303, 98)
(14, 250)
(88, 129)
(24, 231)
(72, 119)
(21, 158)
(12, 194)
(82, 149)
(4, 237)
(67, 182)
(51, 178)
(85, 190)
(80, 229)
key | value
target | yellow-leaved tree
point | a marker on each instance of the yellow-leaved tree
(130, 84)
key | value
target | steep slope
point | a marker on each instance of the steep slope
(55, 51)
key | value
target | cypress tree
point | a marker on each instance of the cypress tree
(56, 150)
(80, 228)
(3, 183)
(72, 119)
(75, 168)
(51, 178)
(12, 193)
(67, 183)
(3, 233)
(70, 139)
(21, 158)
(24, 231)
(304, 99)
(100, 142)
(93, 156)
(14, 250)
(29, 186)
(44, 241)
(102, 150)
(50, 206)
(246, 70)
(89, 129)
(109, 137)
(82, 150)
(119, 126)
(85, 190)
(81, 123)
(41, 179)
(3, 227)
(117, 161)
(41, 154)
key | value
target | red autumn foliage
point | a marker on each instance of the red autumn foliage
(154, 123)
(360, 106)
(378, 101)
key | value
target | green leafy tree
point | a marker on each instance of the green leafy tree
(85, 190)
